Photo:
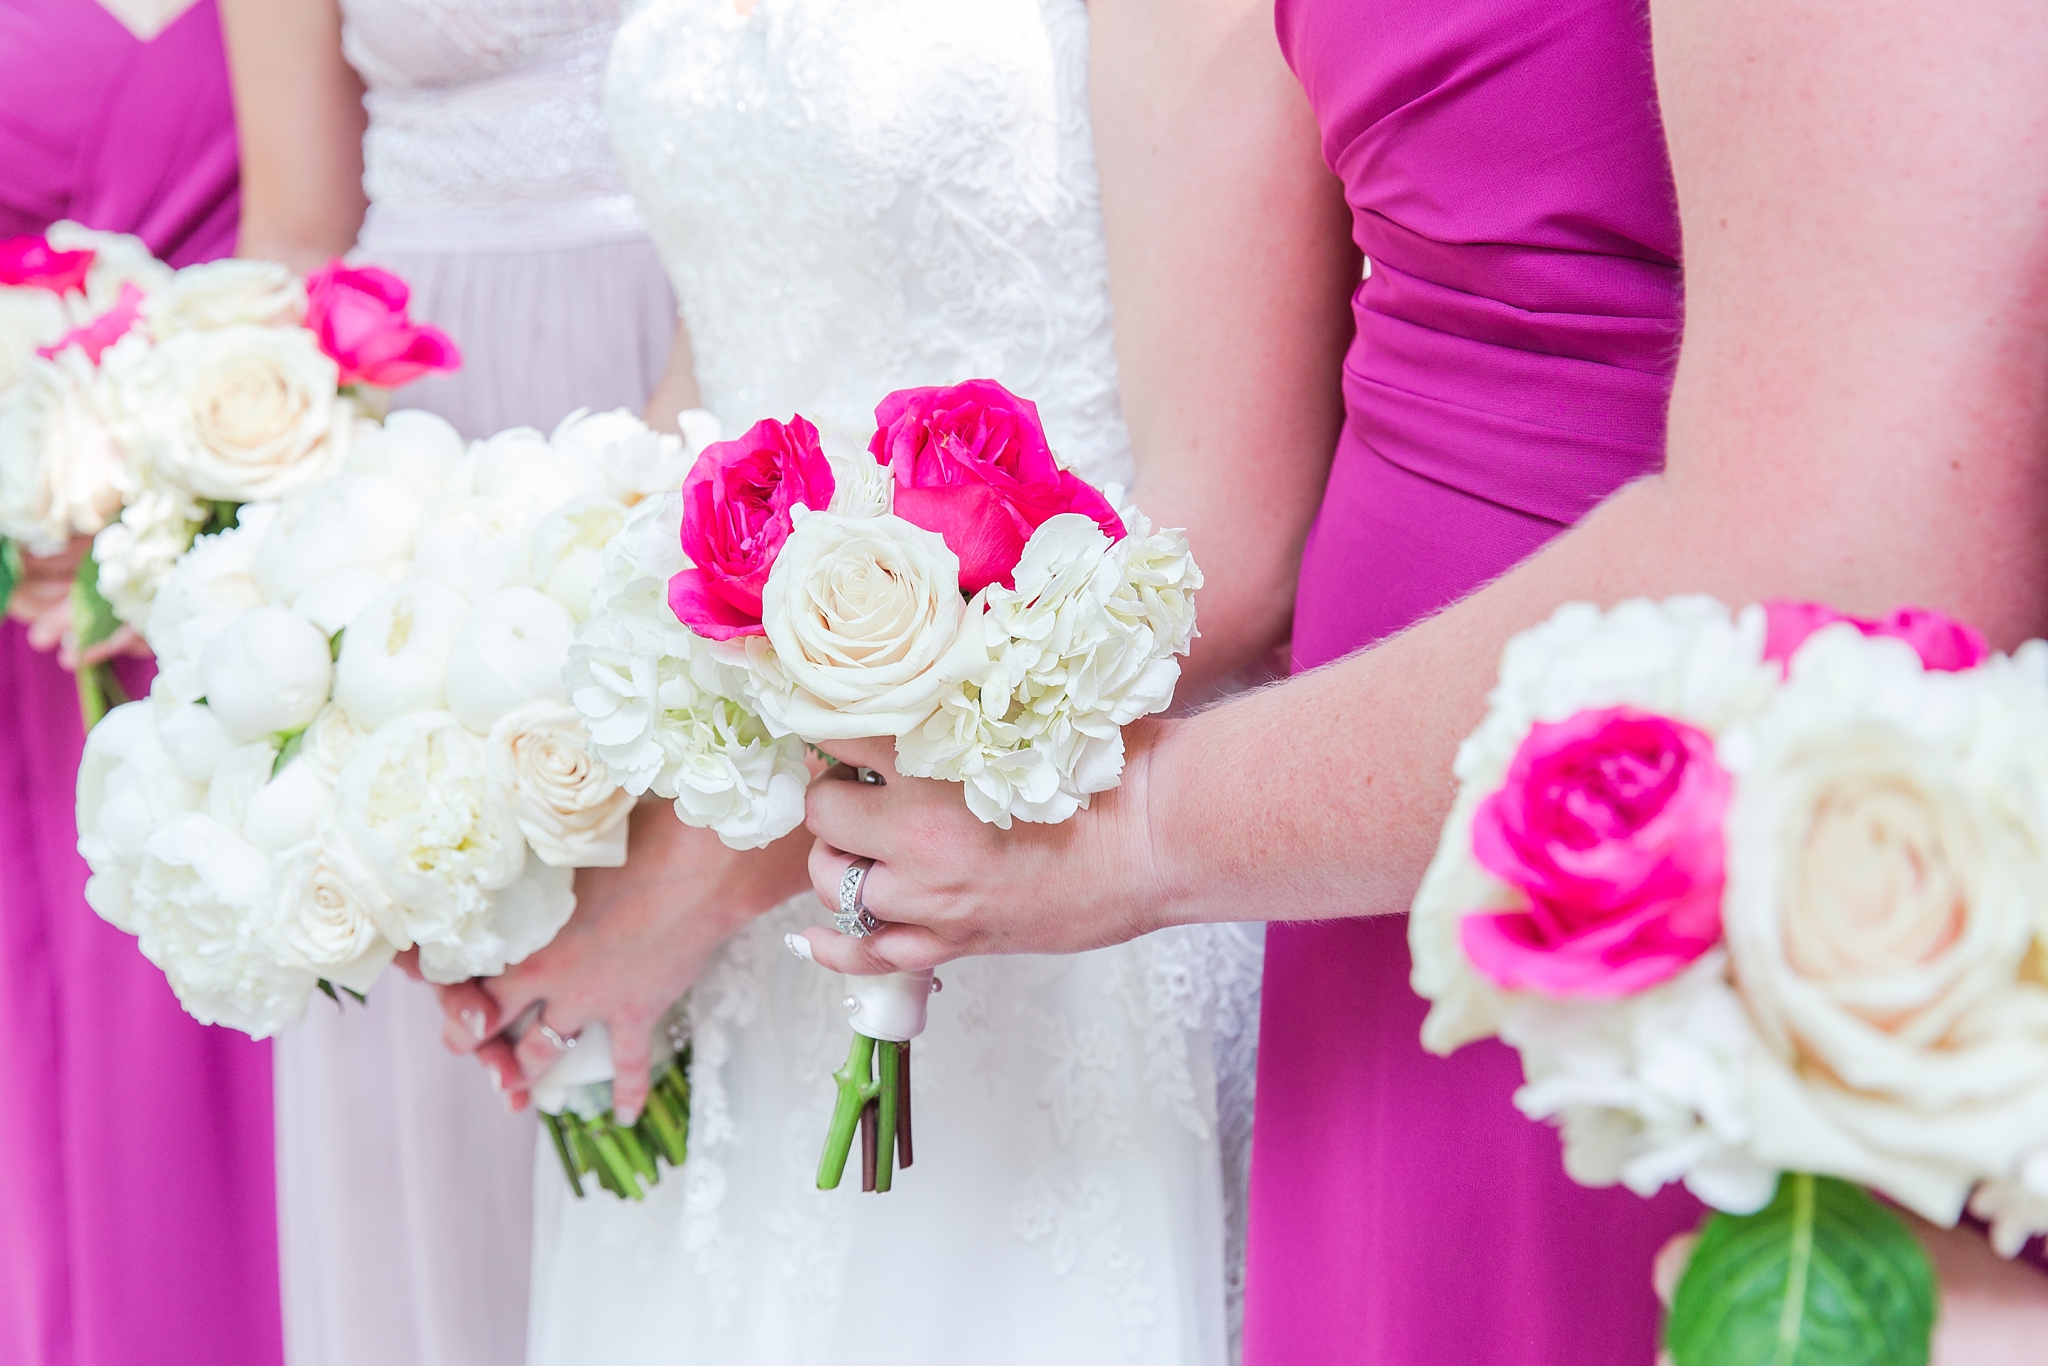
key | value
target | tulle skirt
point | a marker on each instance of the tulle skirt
(404, 1186)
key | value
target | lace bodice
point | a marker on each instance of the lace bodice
(854, 198)
(487, 122)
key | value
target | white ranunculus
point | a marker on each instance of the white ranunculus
(335, 601)
(1687, 658)
(352, 521)
(30, 318)
(210, 585)
(521, 468)
(193, 737)
(284, 811)
(860, 612)
(1886, 853)
(202, 895)
(567, 553)
(474, 545)
(571, 810)
(61, 472)
(416, 802)
(394, 657)
(119, 258)
(127, 786)
(326, 910)
(509, 652)
(136, 553)
(519, 920)
(224, 293)
(420, 448)
(239, 413)
(266, 673)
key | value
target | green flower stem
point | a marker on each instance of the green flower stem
(885, 1120)
(874, 1099)
(569, 1167)
(856, 1089)
(627, 1160)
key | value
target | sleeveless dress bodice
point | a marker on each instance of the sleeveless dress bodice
(1516, 331)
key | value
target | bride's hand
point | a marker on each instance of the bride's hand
(947, 885)
(639, 938)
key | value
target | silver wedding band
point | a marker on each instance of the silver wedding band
(547, 1031)
(854, 918)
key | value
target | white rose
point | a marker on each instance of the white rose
(30, 318)
(267, 673)
(509, 652)
(224, 293)
(474, 545)
(518, 920)
(416, 802)
(571, 810)
(337, 600)
(201, 895)
(860, 612)
(567, 553)
(127, 786)
(240, 413)
(326, 909)
(352, 521)
(61, 472)
(1886, 854)
(209, 586)
(394, 657)
(521, 468)
(119, 258)
(421, 449)
(136, 553)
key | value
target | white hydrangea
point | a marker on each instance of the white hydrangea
(61, 470)
(137, 553)
(31, 318)
(2016, 1207)
(1084, 644)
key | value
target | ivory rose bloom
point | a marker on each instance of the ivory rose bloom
(224, 293)
(239, 413)
(571, 810)
(325, 913)
(737, 507)
(860, 612)
(1886, 855)
(61, 471)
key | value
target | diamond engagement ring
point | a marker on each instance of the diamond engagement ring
(854, 918)
(547, 1031)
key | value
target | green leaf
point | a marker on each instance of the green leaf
(327, 990)
(10, 571)
(92, 616)
(289, 744)
(1822, 1276)
(334, 645)
(220, 515)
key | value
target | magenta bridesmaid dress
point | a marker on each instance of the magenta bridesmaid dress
(137, 1197)
(1516, 332)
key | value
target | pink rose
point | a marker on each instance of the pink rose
(31, 261)
(971, 463)
(1943, 643)
(359, 316)
(1610, 826)
(95, 337)
(736, 515)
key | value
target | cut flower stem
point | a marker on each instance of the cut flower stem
(626, 1159)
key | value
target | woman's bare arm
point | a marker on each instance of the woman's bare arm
(677, 388)
(1231, 270)
(299, 115)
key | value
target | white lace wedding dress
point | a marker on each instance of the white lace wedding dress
(852, 198)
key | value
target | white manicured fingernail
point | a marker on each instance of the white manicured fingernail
(627, 1117)
(799, 946)
(475, 1020)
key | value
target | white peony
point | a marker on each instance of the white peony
(394, 657)
(336, 601)
(519, 467)
(325, 913)
(508, 652)
(202, 894)
(136, 553)
(860, 613)
(284, 811)
(422, 449)
(567, 552)
(226, 293)
(518, 920)
(635, 460)
(1886, 851)
(61, 472)
(416, 802)
(474, 545)
(192, 736)
(128, 785)
(351, 521)
(239, 413)
(571, 810)
(266, 673)
(209, 586)
(1085, 643)
(30, 318)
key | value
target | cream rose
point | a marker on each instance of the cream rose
(225, 293)
(240, 413)
(860, 612)
(569, 807)
(62, 471)
(326, 909)
(1886, 854)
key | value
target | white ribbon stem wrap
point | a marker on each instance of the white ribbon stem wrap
(892, 1007)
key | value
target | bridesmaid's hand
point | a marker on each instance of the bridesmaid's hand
(950, 886)
(639, 938)
(42, 599)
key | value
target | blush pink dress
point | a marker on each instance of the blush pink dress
(137, 1205)
(1506, 172)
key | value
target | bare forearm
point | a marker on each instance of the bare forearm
(677, 389)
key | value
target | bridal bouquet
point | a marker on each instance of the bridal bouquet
(143, 406)
(1759, 899)
(957, 590)
(358, 740)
